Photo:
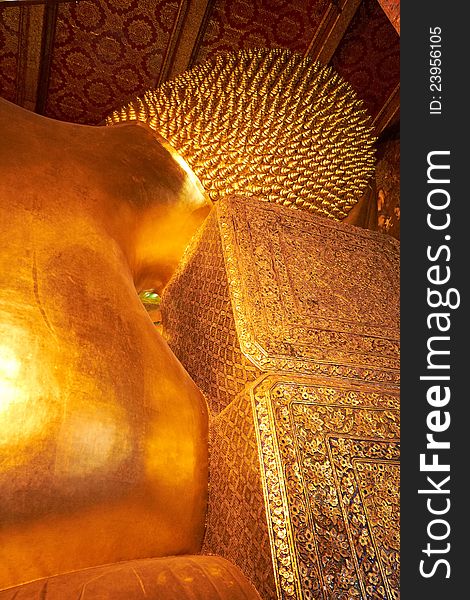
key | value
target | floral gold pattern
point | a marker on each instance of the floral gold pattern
(237, 528)
(330, 310)
(305, 431)
(323, 446)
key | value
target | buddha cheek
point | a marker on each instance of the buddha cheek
(30, 409)
(74, 419)
(64, 440)
(103, 435)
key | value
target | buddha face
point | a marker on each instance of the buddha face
(103, 435)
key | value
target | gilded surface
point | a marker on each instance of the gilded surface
(182, 578)
(269, 123)
(329, 459)
(311, 295)
(103, 435)
(255, 300)
(236, 520)
(198, 321)
(314, 305)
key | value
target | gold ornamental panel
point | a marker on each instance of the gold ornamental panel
(264, 288)
(236, 525)
(288, 322)
(329, 454)
(311, 295)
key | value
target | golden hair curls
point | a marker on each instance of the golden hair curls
(265, 123)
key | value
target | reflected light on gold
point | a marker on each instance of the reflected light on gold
(93, 437)
(103, 435)
(23, 407)
(192, 180)
(9, 371)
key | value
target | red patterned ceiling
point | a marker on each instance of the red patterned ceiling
(240, 24)
(97, 54)
(369, 56)
(105, 52)
(9, 33)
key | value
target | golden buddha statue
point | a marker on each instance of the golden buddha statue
(103, 434)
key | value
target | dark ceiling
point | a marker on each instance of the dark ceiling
(77, 61)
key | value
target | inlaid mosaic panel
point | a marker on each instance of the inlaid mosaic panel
(311, 294)
(236, 526)
(329, 460)
(304, 458)
(248, 299)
